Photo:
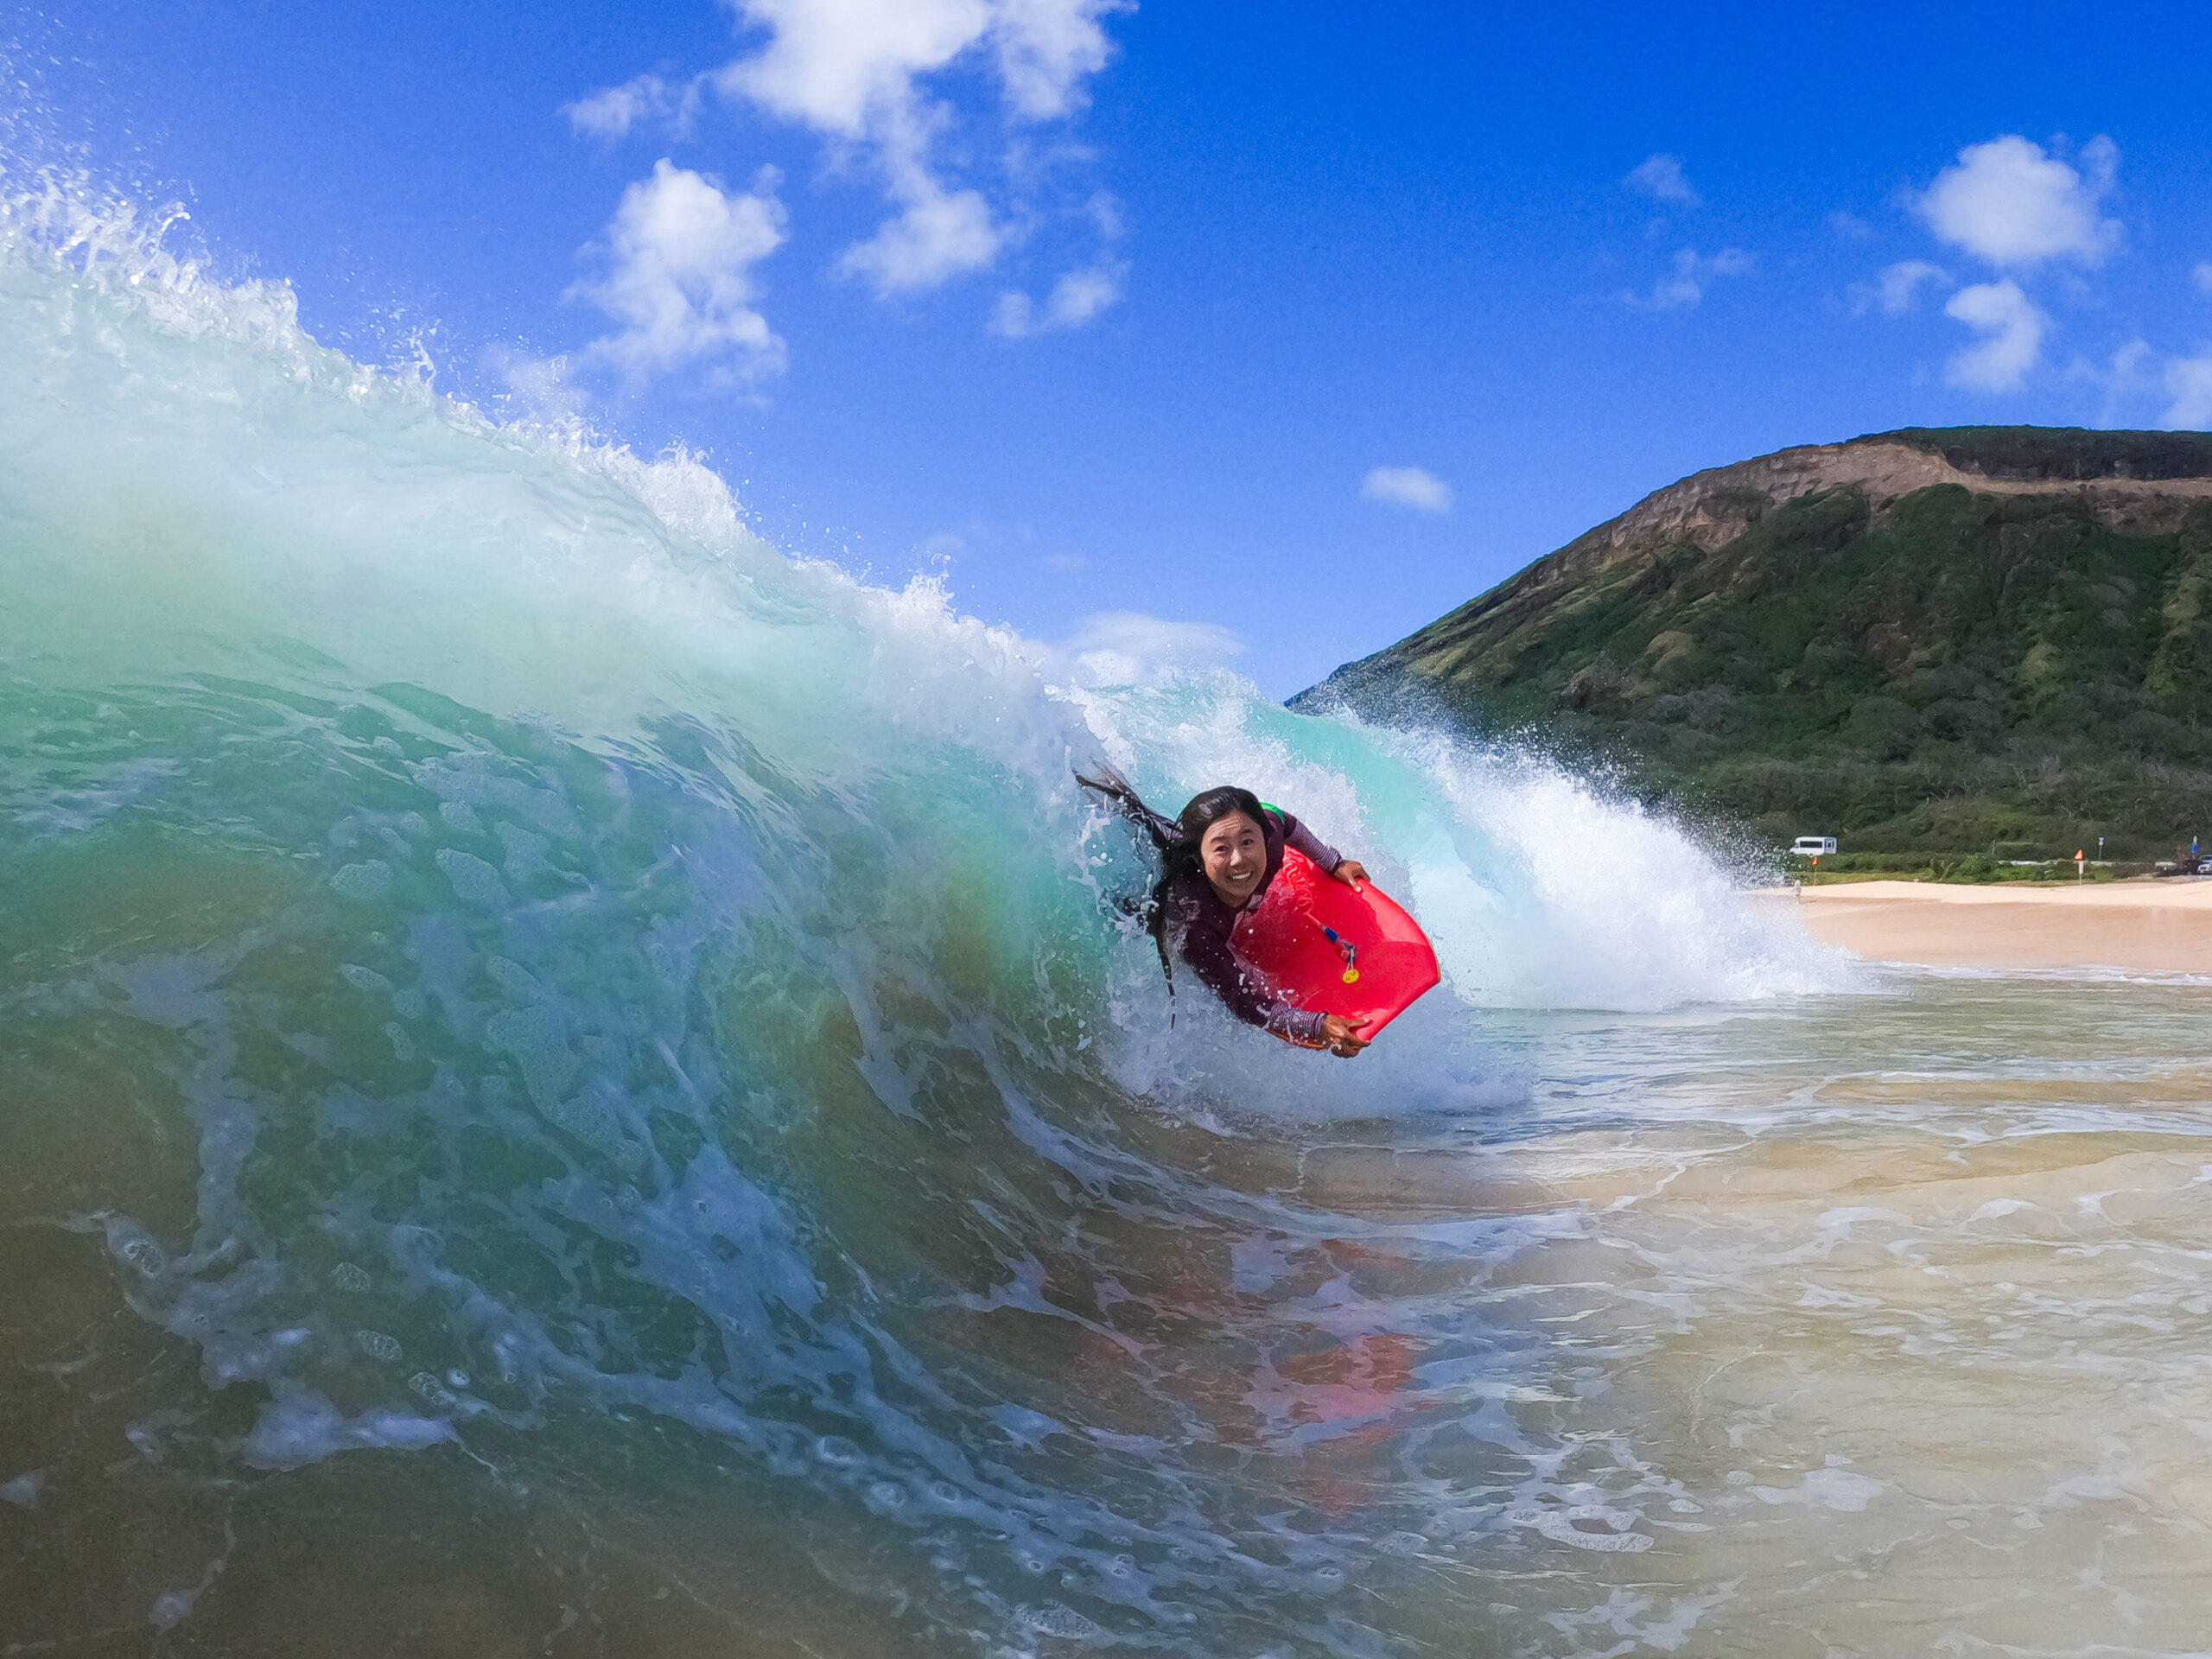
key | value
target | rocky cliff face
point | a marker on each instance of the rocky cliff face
(2124, 477)
(1922, 637)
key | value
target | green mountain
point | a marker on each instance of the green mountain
(1920, 640)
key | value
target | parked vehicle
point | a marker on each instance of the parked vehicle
(1812, 846)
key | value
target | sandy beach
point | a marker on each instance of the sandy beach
(2143, 926)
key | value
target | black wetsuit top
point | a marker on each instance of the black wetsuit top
(1200, 927)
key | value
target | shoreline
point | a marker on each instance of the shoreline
(2140, 925)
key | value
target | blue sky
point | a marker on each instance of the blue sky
(1287, 328)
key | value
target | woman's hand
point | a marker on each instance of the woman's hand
(1350, 871)
(1342, 1035)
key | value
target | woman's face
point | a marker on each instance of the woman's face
(1234, 854)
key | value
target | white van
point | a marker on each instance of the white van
(1812, 846)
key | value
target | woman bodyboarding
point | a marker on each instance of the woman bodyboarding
(1218, 859)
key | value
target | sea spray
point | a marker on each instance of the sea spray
(557, 942)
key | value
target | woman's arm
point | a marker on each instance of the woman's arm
(1325, 856)
(1217, 968)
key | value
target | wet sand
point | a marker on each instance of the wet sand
(2140, 926)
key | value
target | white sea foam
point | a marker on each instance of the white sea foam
(301, 1427)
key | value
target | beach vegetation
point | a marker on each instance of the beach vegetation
(2004, 663)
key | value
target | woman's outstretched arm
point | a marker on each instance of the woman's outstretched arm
(1123, 795)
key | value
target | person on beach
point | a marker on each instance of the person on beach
(1217, 860)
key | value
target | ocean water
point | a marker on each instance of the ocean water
(572, 1084)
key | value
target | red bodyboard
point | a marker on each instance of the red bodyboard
(1286, 940)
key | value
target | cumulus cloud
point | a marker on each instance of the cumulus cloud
(1014, 317)
(2011, 330)
(676, 275)
(938, 234)
(1129, 648)
(2202, 277)
(858, 73)
(2010, 204)
(2138, 380)
(1082, 295)
(1898, 289)
(853, 70)
(611, 114)
(848, 67)
(1077, 297)
(1693, 272)
(1662, 177)
(540, 387)
(2189, 383)
(2128, 367)
(1407, 487)
(1045, 49)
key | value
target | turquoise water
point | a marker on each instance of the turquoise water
(574, 1082)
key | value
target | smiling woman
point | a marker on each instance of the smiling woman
(1220, 860)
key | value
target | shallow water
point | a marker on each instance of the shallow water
(573, 1084)
(1870, 1323)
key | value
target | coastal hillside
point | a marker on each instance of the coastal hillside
(1919, 640)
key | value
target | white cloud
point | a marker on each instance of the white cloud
(1077, 297)
(1129, 648)
(1407, 487)
(2009, 203)
(611, 114)
(2189, 383)
(1662, 177)
(2132, 375)
(1046, 47)
(1899, 288)
(1082, 295)
(2202, 277)
(539, 386)
(939, 234)
(1015, 316)
(678, 274)
(848, 67)
(853, 71)
(1104, 211)
(2011, 330)
(1692, 273)
(2130, 371)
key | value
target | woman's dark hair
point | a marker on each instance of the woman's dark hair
(1206, 809)
(1178, 839)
